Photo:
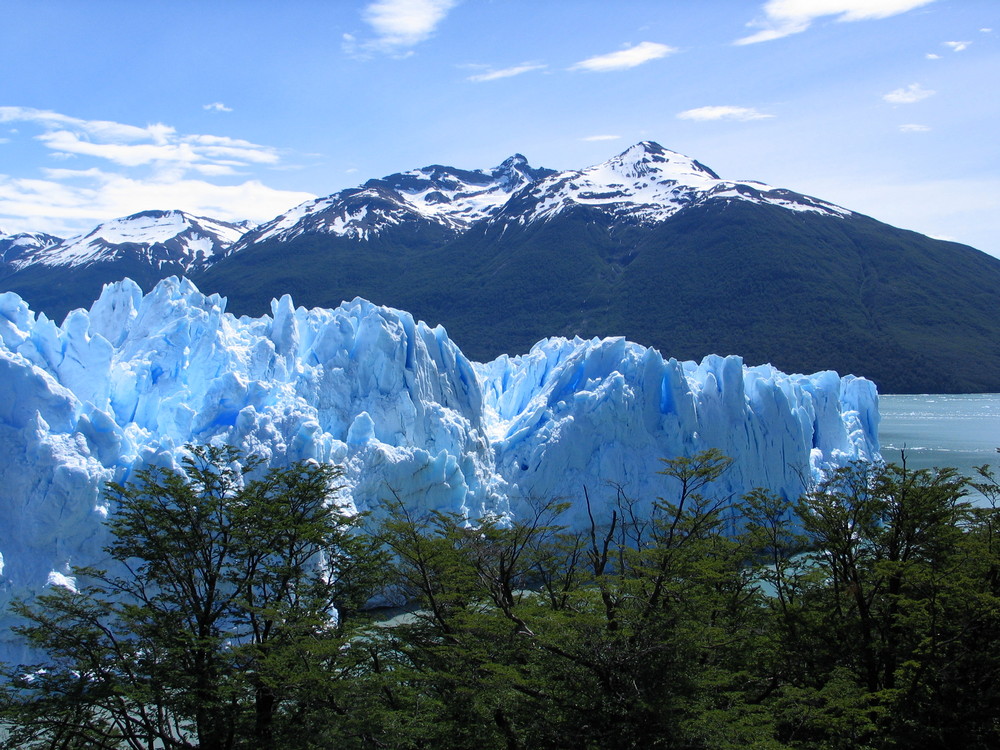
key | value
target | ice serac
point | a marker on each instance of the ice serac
(137, 377)
(600, 414)
(390, 399)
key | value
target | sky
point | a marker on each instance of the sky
(241, 110)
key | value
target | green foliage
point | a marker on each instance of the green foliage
(223, 627)
(862, 615)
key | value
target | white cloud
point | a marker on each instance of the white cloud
(71, 202)
(723, 113)
(110, 131)
(216, 107)
(516, 70)
(140, 168)
(601, 138)
(958, 46)
(908, 95)
(932, 56)
(785, 17)
(399, 24)
(626, 58)
(130, 146)
(914, 128)
(987, 31)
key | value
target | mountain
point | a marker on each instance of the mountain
(60, 275)
(390, 399)
(21, 248)
(651, 245)
(449, 198)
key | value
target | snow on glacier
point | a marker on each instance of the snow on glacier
(391, 400)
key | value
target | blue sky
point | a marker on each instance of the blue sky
(244, 109)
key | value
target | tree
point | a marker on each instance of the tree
(633, 633)
(228, 595)
(895, 619)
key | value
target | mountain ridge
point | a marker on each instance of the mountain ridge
(650, 244)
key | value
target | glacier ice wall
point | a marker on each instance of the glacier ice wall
(391, 400)
(599, 414)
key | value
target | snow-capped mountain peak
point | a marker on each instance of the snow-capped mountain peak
(157, 237)
(648, 183)
(648, 158)
(515, 172)
(446, 196)
(21, 248)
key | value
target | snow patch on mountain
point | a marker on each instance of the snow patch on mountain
(159, 238)
(645, 183)
(649, 184)
(21, 248)
(452, 198)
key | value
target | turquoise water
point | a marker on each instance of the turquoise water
(962, 431)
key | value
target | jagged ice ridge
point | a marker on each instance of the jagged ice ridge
(391, 400)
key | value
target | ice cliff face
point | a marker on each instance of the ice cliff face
(600, 413)
(390, 399)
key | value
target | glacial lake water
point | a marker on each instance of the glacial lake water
(962, 431)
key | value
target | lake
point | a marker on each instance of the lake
(962, 431)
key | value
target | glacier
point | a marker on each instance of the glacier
(391, 400)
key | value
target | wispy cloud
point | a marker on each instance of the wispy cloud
(723, 113)
(70, 202)
(137, 168)
(914, 128)
(216, 107)
(958, 46)
(782, 18)
(516, 70)
(908, 95)
(399, 24)
(156, 145)
(601, 138)
(630, 57)
(932, 56)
